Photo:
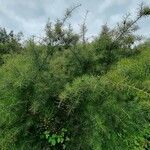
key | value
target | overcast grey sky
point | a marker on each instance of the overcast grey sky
(30, 16)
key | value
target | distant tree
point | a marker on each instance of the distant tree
(9, 43)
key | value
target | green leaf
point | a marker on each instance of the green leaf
(53, 142)
(59, 139)
(54, 136)
(47, 136)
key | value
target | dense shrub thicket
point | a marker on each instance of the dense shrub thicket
(68, 93)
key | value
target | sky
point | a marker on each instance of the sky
(30, 16)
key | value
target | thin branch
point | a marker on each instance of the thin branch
(68, 13)
(130, 87)
(128, 27)
(83, 27)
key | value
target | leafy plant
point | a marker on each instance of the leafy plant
(56, 139)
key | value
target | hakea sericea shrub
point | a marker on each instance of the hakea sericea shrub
(29, 100)
(111, 112)
(48, 107)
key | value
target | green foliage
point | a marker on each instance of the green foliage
(112, 112)
(54, 140)
(57, 34)
(68, 93)
(145, 11)
(9, 42)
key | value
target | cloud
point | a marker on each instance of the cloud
(30, 16)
